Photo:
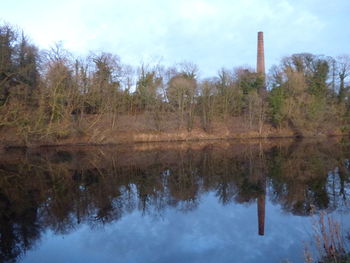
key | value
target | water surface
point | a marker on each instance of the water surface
(252, 201)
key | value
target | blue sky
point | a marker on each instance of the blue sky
(209, 33)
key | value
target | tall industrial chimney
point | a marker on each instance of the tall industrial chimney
(260, 65)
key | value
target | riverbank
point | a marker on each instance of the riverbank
(105, 135)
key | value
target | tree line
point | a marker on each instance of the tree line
(51, 93)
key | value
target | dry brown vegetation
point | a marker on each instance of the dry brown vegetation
(330, 240)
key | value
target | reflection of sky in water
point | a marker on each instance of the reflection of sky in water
(210, 233)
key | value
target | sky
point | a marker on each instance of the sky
(210, 33)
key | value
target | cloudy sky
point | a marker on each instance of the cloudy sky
(210, 33)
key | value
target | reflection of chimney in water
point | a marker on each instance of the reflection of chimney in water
(261, 214)
(261, 208)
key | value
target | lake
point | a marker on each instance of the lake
(215, 201)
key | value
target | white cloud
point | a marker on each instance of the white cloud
(197, 10)
(207, 32)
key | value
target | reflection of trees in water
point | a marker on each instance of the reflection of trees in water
(338, 187)
(299, 181)
(19, 226)
(59, 189)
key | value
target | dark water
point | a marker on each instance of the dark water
(213, 202)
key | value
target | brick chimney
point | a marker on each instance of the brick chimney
(260, 65)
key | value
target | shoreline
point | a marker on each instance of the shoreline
(159, 138)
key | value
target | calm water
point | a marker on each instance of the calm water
(215, 202)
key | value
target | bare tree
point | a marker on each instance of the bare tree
(206, 102)
(343, 70)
